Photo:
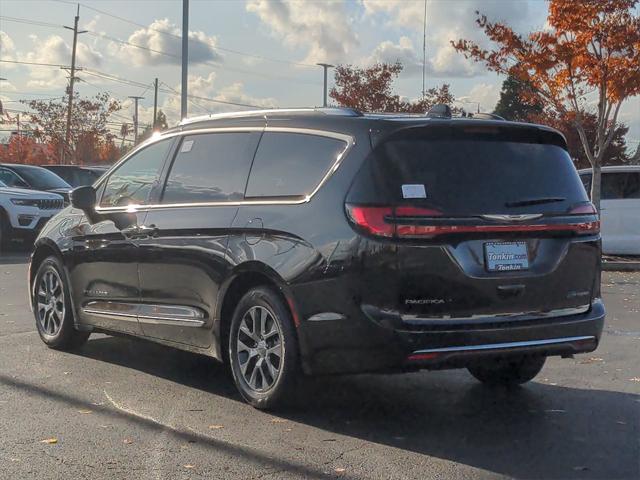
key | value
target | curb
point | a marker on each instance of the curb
(621, 266)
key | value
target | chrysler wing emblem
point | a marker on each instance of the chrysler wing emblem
(512, 218)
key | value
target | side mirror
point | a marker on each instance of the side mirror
(83, 198)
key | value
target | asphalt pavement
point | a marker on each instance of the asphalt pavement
(122, 408)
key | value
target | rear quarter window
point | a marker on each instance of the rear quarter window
(291, 164)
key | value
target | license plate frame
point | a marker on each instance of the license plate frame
(506, 256)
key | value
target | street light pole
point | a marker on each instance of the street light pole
(135, 119)
(325, 67)
(72, 78)
(185, 59)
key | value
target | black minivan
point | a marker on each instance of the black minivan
(325, 241)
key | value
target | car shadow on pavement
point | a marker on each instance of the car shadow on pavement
(535, 431)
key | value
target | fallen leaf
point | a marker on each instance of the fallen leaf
(127, 441)
(340, 470)
(50, 441)
(216, 427)
(287, 429)
(85, 412)
(189, 466)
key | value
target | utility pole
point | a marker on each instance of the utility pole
(72, 79)
(325, 67)
(155, 103)
(185, 59)
(424, 50)
(135, 119)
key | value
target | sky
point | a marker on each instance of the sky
(250, 52)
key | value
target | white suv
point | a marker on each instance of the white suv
(620, 207)
(24, 212)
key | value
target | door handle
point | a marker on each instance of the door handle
(130, 232)
(146, 231)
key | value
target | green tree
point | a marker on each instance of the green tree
(513, 104)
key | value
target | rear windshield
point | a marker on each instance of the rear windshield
(467, 176)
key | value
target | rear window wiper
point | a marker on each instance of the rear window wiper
(534, 201)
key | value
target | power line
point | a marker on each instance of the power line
(41, 64)
(30, 22)
(164, 32)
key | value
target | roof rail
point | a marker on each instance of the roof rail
(343, 111)
(439, 110)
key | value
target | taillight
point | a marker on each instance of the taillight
(583, 209)
(407, 222)
(372, 219)
(390, 221)
(586, 227)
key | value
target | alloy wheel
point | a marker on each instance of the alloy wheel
(50, 301)
(259, 348)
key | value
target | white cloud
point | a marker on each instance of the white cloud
(7, 49)
(446, 21)
(403, 52)
(205, 86)
(485, 94)
(164, 36)
(322, 28)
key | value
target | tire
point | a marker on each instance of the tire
(5, 231)
(508, 371)
(52, 307)
(264, 371)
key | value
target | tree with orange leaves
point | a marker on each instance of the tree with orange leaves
(587, 62)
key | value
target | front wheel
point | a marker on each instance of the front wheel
(263, 349)
(52, 307)
(507, 371)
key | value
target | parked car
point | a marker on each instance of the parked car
(619, 207)
(33, 177)
(23, 212)
(327, 241)
(77, 175)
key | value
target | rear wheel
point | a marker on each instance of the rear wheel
(52, 307)
(263, 350)
(507, 371)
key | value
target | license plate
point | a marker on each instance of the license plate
(506, 256)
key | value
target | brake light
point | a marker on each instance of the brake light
(586, 227)
(401, 222)
(372, 219)
(584, 209)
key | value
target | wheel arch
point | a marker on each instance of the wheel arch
(245, 277)
(42, 249)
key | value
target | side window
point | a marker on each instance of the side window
(613, 185)
(291, 164)
(211, 167)
(11, 179)
(632, 188)
(133, 181)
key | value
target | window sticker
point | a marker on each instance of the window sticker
(413, 191)
(186, 146)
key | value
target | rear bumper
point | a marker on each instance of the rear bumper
(375, 342)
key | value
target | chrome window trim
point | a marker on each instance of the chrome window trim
(288, 200)
(499, 346)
